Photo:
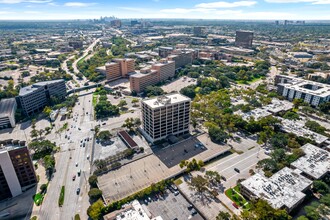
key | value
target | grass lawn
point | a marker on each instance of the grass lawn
(177, 182)
(236, 198)
(82, 60)
(37, 198)
(95, 99)
(248, 82)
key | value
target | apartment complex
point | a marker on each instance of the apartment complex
(313, 93)
(284, 190)
(16, 171)
(7, 113)
(143, 78)
(165, 116)
(165, 68)
(34, 98)
(119, 68)
(181, 58)
(244, 39)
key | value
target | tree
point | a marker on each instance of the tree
(320, 187)
(122, 103)
(189, 91)
(279, 140)
(153, 91)
(302, 218)
(217, 134)
(95, 210)
(95, 194)
(325, 107)
(316, 127)
(213, 177)
(311, 211)
(325, 199)
(49, 162)
(42, 148)
(223, 216)
(92, 180)
(297, 102)
(135, 101)
(34, 133)
(198, 184)
(47, 110)
(104, 135)
(129, 123)
(40, 132)
(100, 164)
(43, 188)
(291, 115)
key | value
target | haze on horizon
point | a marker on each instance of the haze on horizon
(189, 9)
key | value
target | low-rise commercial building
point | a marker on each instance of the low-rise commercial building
(284, 190)
(164, 116)
(313, 93)
(16, 171)
(7, 113)
(181, 58)
(315, 164)
(34, 98)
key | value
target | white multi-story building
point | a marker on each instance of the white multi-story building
(313, 93)
(7, 113)
(164, 116)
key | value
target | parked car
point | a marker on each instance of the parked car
(74, 178)
(193, 212)
(236, 206)
(237, 170)
(78, 191)
(190, 206)
(176, 193)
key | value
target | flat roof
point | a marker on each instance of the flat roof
(315, 163)
(29, 89)
(6, 106)
(297, 127)
(128, 139)
(138, 74)
(164, 100)
(284, 188)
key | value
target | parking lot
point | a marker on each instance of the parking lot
(178, 84)
(174, 154)
(171, 207)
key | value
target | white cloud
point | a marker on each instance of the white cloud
(78, 4)
(314, 2)
(226, 4)
(24, 1)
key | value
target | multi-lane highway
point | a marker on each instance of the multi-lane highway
(71, 159)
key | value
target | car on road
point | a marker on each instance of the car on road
(76, 164)
(237, 170)
(78, 191)
(74, 178)
(104, 123)
(193, 212)
(79, 172)
(79, 129)
(87, 157)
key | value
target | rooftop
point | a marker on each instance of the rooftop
(282, 189)
(164, 100)
(6, 106)
(297, 127)
(29, 89)
(307, 86)
(315, 163)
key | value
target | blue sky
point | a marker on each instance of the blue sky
(200, 9)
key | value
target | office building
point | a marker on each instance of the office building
(244, 39)
(76, 44)
(115, 23)
(143, 78)
(16, 171)
(165, 116)
(284, 190)
(165, 68)
(7, 113)
(34, 98)
(313, 93)
(315, 164)
(164, 52)
(181, 58)
(119, 68)
(198, 31)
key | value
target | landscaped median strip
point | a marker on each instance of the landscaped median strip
(61, 199)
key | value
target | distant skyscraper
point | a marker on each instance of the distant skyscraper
(198, 31)
(244, 39)
(277, 22)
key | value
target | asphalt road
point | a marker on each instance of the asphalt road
(66, 168)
